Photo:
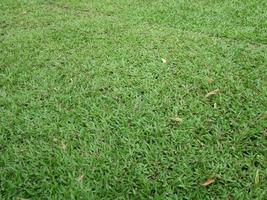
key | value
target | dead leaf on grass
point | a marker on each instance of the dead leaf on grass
(208, 182)
(212, 93)
(177, 119)
(163, 60)
(80, 178)
(63, 146)
(257, 177)
(210, 80)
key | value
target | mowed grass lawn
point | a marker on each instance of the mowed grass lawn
(107, 99)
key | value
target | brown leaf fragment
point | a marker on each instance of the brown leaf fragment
(257, 178)
(80, 178)
(210, 80)
(212, 93)
(208, 182)
(177, 119)
(63, 146)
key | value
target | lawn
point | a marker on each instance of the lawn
(133, 99)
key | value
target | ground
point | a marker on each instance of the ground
(108, 99)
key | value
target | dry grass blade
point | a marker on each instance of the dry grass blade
(208, 182)
(212, 93)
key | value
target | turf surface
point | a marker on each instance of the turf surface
(106, 99)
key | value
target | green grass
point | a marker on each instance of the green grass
(86, 101)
